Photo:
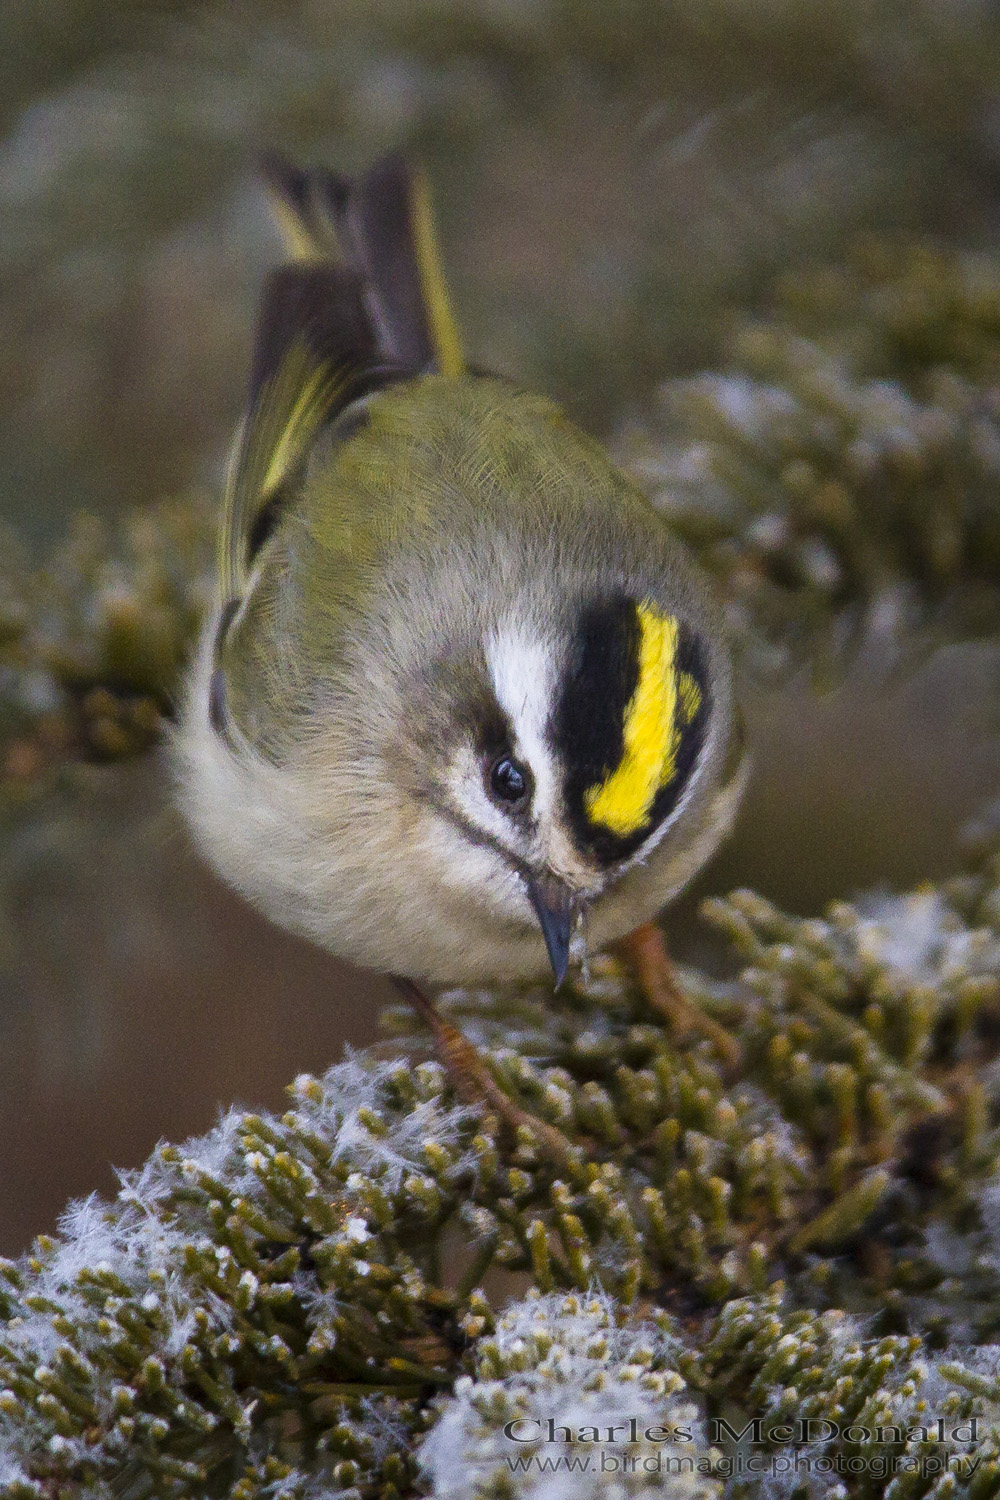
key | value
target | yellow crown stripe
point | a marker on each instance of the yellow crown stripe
(623, 800)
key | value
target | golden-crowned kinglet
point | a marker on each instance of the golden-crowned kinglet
(461, 686)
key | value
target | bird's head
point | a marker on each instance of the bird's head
(573, 739)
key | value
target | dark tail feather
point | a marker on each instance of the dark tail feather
(319, 307)
(381, 225)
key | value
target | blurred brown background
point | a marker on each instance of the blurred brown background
(612, 180)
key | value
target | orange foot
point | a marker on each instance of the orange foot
(471, 1078)
(645, 952)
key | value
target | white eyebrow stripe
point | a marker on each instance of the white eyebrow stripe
(521, 667)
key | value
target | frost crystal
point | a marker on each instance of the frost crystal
(567, 1401)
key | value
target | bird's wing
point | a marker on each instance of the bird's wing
(314, 344)
(362, 303)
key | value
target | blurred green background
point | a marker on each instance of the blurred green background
(615, 182)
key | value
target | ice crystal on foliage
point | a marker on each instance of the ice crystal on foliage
(921, 940)
(572, 1362)
(157, 1331)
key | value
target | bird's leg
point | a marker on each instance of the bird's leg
(471, 1078)
(645, 952)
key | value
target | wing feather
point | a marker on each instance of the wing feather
(315, 346)
(362, 302)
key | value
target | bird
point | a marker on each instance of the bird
(464, 706)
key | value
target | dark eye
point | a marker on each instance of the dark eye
(509, 779)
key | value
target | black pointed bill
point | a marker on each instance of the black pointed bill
(553, 905)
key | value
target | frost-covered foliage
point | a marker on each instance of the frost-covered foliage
(574, 1362)
(841, 1412)
(220, 1324)
(840, 474)
(291, 1303)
